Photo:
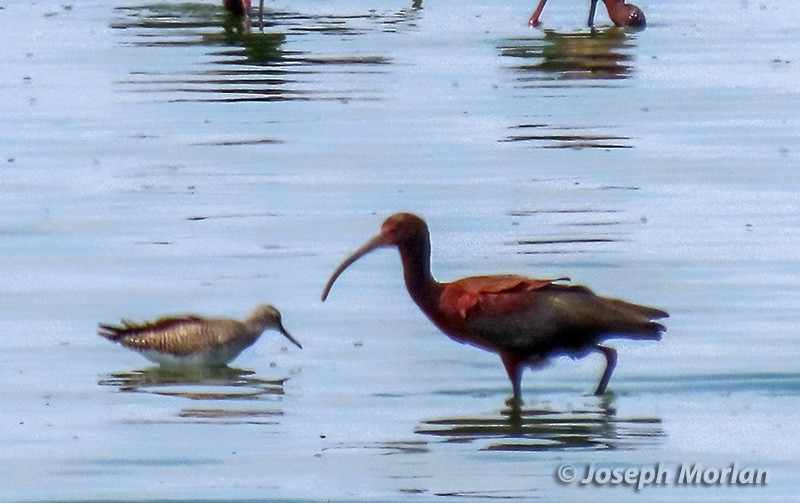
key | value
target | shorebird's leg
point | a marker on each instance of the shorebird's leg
(611, 362)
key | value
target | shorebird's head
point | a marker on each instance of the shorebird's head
(403, 230)
(267, 316)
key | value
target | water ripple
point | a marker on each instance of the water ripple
(223, 384)
(249, 64)
(560, 59)
(589, 427)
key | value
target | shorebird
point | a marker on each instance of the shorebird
(621, 14)
(191, 340)
(524, 320)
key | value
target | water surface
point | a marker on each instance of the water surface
(160, 158)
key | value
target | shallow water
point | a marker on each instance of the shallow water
(158, 158)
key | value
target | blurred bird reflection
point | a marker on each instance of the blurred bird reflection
(590, 426)
(605, 54)
(209, 385)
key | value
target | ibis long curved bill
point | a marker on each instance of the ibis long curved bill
(376, 242)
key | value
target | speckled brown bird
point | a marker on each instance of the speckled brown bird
(191, 340)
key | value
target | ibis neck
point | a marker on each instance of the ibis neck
(420, 283)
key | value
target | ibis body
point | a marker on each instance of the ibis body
(524, 320)
(237, 7)
(621, 13)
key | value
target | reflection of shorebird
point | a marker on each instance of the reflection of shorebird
(524, 320)
(621, 14)
(195, 341)
(196, 383)
(222, 395)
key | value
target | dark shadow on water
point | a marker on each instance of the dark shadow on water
(222, 385)
(576, 230)
(592, 426)
(561, 136)
(251, 63)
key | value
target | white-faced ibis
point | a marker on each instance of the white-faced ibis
(621, 14)
(524, 320)
(191, 340)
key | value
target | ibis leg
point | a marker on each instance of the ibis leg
(611, 362)
(592, 9)
(514, 371)
(534, 20)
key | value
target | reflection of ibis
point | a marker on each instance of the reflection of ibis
(524, 320)
(621, 14)
(193, 340)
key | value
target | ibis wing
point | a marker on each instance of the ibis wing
(482, 296)
(539, 317)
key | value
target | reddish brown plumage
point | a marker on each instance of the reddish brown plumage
(476, 296)
(524, 320)
(625, 15)
(622, 14)
(237, 7)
